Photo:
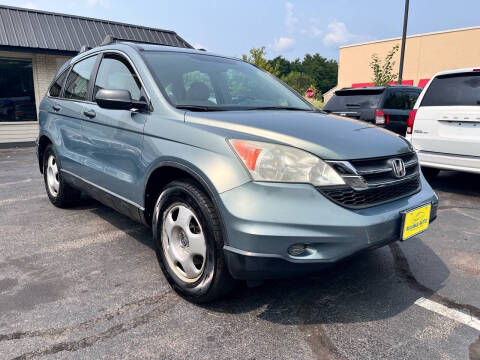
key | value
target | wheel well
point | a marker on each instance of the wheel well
(42, 145)
(157, 181)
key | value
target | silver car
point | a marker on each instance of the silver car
(238, 176)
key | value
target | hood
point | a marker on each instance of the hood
(327, 136)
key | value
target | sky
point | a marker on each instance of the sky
(289, 28)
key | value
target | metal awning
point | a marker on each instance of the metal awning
(22, 29)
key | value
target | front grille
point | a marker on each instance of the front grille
(356, 199)
(377, 175)
(378, 171)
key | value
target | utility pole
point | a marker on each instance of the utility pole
(404, 37)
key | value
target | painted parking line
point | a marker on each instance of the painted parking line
(16, 182)
(453, 314)
(26, 198)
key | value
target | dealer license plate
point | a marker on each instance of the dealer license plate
(415, 221)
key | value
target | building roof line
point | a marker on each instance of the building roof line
(412, 36)
(83, 18)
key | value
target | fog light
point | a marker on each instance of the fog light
(297, 249)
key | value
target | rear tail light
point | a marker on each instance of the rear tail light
(381, 118)
(411, 120)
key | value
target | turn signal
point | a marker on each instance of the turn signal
(247, 152)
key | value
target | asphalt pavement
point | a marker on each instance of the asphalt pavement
(84, 283)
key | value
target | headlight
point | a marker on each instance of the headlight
(272, 162)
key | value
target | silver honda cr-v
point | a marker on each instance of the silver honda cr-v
(239, 177)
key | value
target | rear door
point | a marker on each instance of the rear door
(448, 118)
(67, 107)
(397, 104)
(355, 103)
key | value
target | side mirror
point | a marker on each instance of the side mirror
(116, 99)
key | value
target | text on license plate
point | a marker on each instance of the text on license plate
(416, 221)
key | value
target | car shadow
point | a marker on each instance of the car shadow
(461, 183)
(122, 222)
(373, 285)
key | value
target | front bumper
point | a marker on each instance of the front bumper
(263, 220)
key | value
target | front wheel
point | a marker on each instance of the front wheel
(189, 243)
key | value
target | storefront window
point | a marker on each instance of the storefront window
(17, 96)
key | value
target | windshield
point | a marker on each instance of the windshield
(205, 82)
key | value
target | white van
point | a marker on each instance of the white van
(444, 125)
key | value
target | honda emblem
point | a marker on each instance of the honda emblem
(398, 168)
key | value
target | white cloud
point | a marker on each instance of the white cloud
(315, 31)
(283, 44)
(29, 5)
(290, 19)
(337, 34)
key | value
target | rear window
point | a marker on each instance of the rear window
(461, 89)
(400, 100)
(354, 99)
(57, 85)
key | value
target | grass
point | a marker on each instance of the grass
(316, 103)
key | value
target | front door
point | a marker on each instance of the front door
(114, 138)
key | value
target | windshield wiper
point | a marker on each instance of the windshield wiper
(200, 108)
(278, 108)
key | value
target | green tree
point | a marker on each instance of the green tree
(257, 57)
(299, 81)
(283, 65)
(323, 72)
(383, 72)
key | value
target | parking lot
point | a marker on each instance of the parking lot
(85, 283)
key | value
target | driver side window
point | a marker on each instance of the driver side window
(115, 73)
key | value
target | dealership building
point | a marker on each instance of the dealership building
(34, 44)
(425, 55)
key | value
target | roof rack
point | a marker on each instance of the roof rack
(84, 48)
(110, 39)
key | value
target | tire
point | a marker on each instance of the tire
(430, 173)
(183, 216)
(60, 193)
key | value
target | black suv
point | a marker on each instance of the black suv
(386, 106)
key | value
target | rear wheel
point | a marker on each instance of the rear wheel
(430, 173)
(189, 243)
(59, 192)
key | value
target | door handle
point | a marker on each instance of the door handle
(56, 108)
(90, 113)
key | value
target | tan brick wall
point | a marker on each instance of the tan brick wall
(44, 69)
(425, 55)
